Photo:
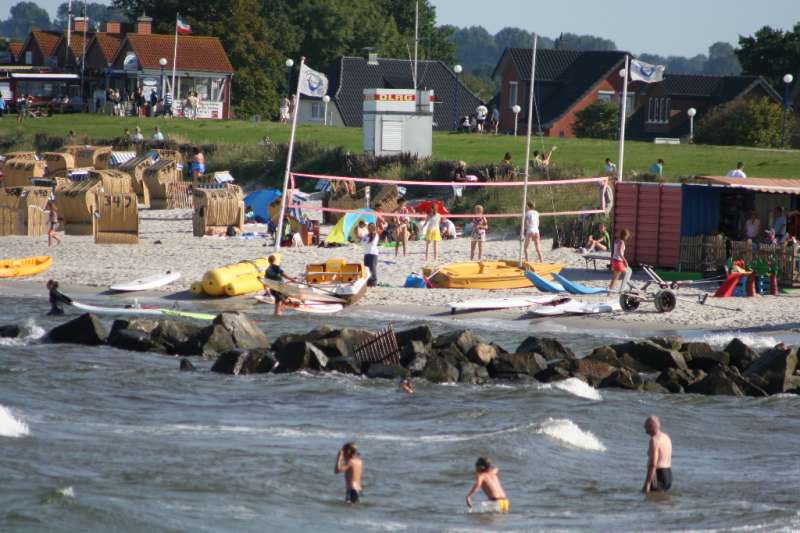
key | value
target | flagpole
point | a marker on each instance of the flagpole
(174, 59)
(528, 149)
(281, 216)
(621, 165)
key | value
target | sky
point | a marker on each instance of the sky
(674, 27)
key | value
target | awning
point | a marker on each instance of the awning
(26, 76)
(117, 158)
(770, 185)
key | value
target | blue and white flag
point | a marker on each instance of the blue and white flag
(641, 71)
(312, 83)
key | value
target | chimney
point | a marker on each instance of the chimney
(144, 25)
(113, 26)
(371, 55)
(80, 24)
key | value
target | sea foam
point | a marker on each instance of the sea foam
(568, 432)
(11, 426)
(29, 333)
(575, 387)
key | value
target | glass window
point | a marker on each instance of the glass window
(29, 58)
(605, 96)
(512, 94)
(217, 88)
(317, 110)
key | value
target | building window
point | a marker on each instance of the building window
(658, 110)
(512, 94)
(29, 58)
(317, 111)
(605, 96)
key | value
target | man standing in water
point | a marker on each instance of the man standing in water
(487, 477)
(659, 464)
(349, 462)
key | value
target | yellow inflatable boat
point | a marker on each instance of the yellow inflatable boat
(504, 274)
(25, 266)
(236, 279)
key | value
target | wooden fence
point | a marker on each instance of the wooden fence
(380, 349)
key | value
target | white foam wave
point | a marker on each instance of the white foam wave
(575, 387)
(29, 332)
(11, 426)
(68, 492)
(567, 431)
(755, 341)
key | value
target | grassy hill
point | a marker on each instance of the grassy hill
(577, 156)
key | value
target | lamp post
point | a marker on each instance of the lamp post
(787, 81)
(456, 70)
(516, 109)
(162, 63)
(691, 112)
(325, 100)
(289, 65)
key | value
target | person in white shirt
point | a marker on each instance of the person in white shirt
(157, 135)
(737, 172)
(138, 137)
(532, 231)
(752, 226)
(371, 253)
(447, 228)
(480, 116)
(610, 168)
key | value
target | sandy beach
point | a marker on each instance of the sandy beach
(166, 243)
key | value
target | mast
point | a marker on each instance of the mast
(281, 214)
(416, 41)
(528, 150)
(621, 164)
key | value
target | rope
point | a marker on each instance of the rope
(313, 207)
(574, 181)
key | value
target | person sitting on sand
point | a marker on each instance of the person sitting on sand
(56, 298)
(659, 458)
(432, 234)
(619, 265)
(348, 462)
(406, 386)
(275, 273)
(479, 228)
(447, 228)
(359, 231)
(532, 231)
(542, 161)
(600, 244)
(487, 478)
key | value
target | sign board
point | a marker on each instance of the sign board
(131, 63)
(148, 86)
(205, 109)
(5, 91)
(392, 100)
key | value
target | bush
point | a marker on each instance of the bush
(598, 121)
(753, 122)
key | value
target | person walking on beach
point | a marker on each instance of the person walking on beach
(348, 462)
(487, 478)
(275, 273)
(371, 250)
(532, 231)
(432, 233)
(619, 265)
(53, 224)
(403, 222)
(659, 458)
(479, 228)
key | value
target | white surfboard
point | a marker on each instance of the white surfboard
(100, 310)
(576, 307)
(149, 283)
(500, 303)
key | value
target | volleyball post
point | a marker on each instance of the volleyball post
(528, 151)
(282, 213)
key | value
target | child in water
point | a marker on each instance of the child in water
(487, 478)
(348, 461)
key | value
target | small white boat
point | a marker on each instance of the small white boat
(500, 303)
(568, 306)
(302, 293)
(337, 277)
(315, 307)
(148, 283)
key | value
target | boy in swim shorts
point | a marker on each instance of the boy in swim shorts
(487, 479)
(348, 461)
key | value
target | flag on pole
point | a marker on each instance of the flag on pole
(312, 83)
(182, 27)
(641, 71)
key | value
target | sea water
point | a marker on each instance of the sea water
(99, 439)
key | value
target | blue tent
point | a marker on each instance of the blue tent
(260, 200)
(341, 231)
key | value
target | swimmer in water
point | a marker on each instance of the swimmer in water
(348, 461)
(406, 386)
(659, 464)
(487, 478)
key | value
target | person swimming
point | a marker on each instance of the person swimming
(659, 453)
(406, 386)
(348, 461)
(487, 478)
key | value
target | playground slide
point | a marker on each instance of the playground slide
(542, 284)
(577, 288)
(726, 289)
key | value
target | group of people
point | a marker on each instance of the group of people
(776, 230)
(658, 476)
(139, 104)
(138, 136)
(481, 121)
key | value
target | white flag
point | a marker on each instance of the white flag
(312, 83)
(641, 71)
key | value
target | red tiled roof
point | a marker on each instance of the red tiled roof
(786, 186)
(48, 40)
(76, 43)
(15, 48)
(109, 44)
(194, 53)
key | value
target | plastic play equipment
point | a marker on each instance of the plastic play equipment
(577, 288)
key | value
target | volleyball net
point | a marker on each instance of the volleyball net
(603, 199)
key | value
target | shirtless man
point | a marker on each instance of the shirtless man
(659, 464)
(349, 462)
(487, 478)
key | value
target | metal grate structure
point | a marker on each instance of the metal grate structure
(382, 348)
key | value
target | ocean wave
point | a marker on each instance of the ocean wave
(753, 340)
(30, 332)
(67, 492)
(567, 431)
(11, 426)
(576, 387)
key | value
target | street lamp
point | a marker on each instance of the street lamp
(691, 112)
(325, 100)
(162, 63)
(516, 109)
(787, 81)
(456, 70)
(289, 65)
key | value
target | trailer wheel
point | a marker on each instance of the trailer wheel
(629, 302)
(665, 301)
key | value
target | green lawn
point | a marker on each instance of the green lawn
(579, 156)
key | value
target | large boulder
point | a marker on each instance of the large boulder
(774, 369)
(352, 337)
(516, 365)
(550, 349)
(648, 356)
(86, 329)
(719, 381)
(678, 381)
(472, 373)
(695, 349)
(178, 337)
(440, 370)
(422, 334)
(186, 365)
(10, 330)
(482, 354)
(379, 370)
(709, 360)
(333, 347)
(741, 354)
(284, 340)
(670, 342)
(243, 331)
(555, 371)
(344, 365)
(214, 341)
(463, 339)
(591, 370)
(412, 351)
(133, 340)
(622, 379)
(603, 354)
(242, 362)
(300, 355)
(417, 365)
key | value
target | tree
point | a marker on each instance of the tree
(475, 46)
(771, 53)
(25, 16)
(97, 14)
(597, 121)
(435, 42)
(571, 41)
(722, 60)
(743, 122)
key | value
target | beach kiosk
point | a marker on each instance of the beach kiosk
(398, 121)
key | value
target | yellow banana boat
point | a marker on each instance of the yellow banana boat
(503, 274)
(25, 266)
